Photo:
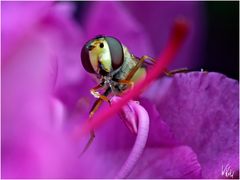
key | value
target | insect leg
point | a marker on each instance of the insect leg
(175, 71)
(180, 70)
(94, 108)
(92, 136)
(98, 95)
(138, 65)
(145, 57)
(129, 83)
(167, 73)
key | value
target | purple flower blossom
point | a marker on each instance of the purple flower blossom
(193, 117)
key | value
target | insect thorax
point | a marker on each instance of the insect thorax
(128, 64)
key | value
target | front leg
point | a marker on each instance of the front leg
(96, 94)
(94, 108)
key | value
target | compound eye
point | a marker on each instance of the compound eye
(116, 51)
(85, 58)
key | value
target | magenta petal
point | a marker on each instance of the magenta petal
(176, 162)
(160, 133)
(118, 22)
(18, 23)
(202, 111)
(128, 115)
(66, 40)
(26, 113)
(33, 142)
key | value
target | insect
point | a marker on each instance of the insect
(114, 66)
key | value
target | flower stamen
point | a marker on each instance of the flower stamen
(142, 121)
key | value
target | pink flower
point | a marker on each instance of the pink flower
(45, 96)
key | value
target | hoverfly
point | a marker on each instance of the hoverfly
(114, 66)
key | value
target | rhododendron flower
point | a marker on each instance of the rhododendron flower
(185, 126)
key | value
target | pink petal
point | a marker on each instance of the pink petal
(160, 163)
(160, 133)
(18, 23)
(128, 115)
(31, 147)
(25, 112)
(202, 111)
(66, 39)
